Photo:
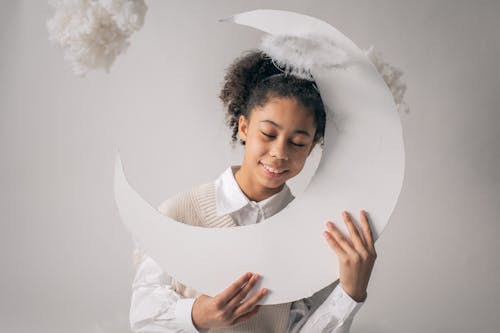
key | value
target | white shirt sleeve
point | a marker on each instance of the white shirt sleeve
(329, 310)
(155, 305)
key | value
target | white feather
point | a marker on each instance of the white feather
(392, 77)
(301, 55)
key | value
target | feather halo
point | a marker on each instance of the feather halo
(300, 56)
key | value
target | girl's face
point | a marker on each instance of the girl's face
(278, 139)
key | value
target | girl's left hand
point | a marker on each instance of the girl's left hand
(356, 255)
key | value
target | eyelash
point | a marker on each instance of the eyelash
(272, 136)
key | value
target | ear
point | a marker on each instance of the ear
(242, 128)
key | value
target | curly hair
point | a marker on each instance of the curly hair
(251, 80)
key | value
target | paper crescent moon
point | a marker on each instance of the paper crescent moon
(362, 167)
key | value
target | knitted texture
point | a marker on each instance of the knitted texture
(197, 206)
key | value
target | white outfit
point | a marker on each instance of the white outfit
(157, 307)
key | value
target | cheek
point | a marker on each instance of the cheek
(299, 158)
(256, 147)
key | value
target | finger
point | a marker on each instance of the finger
(339, 238)
(250, 303)
(232, 290)
(334, 245)
(353, 231)
(246, 315)
(242, 293)
(367, 231)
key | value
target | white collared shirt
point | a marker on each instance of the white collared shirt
(231, 200)
(156, 306)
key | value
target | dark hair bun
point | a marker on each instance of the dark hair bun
(250, 81)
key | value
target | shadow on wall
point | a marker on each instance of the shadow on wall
(381, 328)
(119, 323)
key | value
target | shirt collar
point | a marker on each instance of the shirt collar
(230, 197)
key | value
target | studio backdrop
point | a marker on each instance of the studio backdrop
(66, 256)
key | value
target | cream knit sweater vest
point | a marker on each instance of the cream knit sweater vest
(198, 207)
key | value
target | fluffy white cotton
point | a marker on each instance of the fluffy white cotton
(392, 77)
(92, 33)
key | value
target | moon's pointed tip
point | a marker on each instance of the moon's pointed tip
(227, 19)
(117, 155)
(118, 162)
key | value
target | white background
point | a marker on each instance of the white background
(65, 257)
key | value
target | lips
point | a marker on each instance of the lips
(274, 169)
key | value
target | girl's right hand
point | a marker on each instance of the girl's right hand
(225, 309)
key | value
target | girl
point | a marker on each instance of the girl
(279, 118)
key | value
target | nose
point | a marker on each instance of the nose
(279, 150)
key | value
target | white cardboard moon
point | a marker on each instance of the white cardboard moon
(362, 167)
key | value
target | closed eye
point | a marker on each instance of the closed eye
(273, 136)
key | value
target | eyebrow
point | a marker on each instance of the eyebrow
(280, 127)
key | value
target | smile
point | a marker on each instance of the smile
(272, 171)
